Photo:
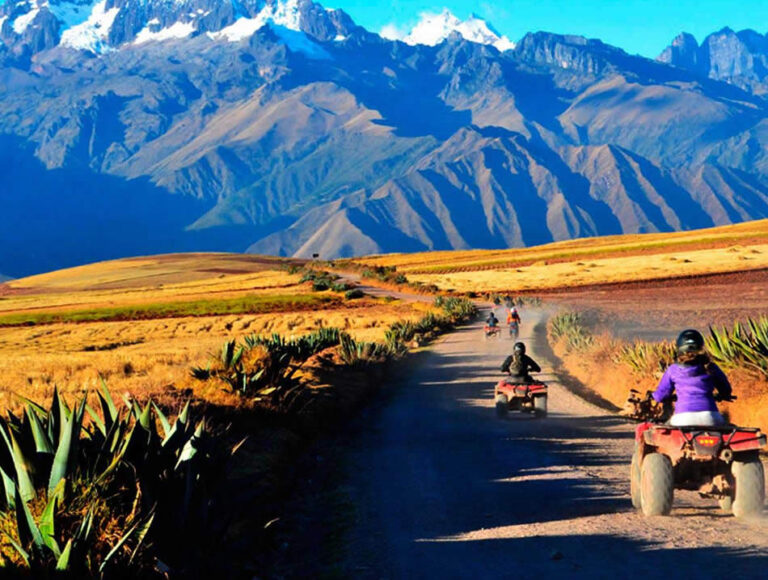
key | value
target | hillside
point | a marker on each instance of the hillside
(587, 262)
(282, 127)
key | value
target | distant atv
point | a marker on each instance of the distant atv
(530, 397)
(719, 462)
(491, 332)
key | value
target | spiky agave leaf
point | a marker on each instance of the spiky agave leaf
(47, 524)
(29, 533)
(62, 564)
(22, 480)
(67, 449)
(43, 443)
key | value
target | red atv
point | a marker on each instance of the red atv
(719, 462)
(491, 331)
(529, 397)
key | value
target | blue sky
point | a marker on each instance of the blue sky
(638, 26)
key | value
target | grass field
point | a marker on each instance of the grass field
(588, 261)
(143, 323)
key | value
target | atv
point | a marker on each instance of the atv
(720, 462)
(491, 332)
(528, 397)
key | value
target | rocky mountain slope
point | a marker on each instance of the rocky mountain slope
(131, 127)
(739, 58)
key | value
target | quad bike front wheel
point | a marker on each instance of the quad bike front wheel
(656, 485)
(634, 481)
(502, 406)
(749, 488)
(540, 406)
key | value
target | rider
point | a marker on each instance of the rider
(513, 316)
(519, 364)
(492, 321)
(694, 378)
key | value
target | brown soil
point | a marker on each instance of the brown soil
(659, 309)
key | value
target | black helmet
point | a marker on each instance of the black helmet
(519, 347)
(689, 341)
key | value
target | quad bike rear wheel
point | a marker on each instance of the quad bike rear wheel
(634, 481)
(540, 406)
(749, 488)
(502, 406)
(656, 485)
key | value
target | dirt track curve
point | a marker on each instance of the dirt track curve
(437, 487)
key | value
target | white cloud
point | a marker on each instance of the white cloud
(392, 32)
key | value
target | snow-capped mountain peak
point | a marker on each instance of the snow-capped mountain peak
(283, 13)
(433, 29)
(92, 33)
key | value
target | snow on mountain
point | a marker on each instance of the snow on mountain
(285, 14)
(93, 32)
(151, 33)
(297, 41)
(433, 29)
(71, 14)
(21, 23)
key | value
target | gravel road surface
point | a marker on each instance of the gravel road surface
(437, 487)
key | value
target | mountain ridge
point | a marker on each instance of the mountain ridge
(299, 132)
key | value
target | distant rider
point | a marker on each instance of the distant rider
(513, 316)
(492, 321)
(695, 379)
(519, 365)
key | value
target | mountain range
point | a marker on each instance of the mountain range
(278, 126)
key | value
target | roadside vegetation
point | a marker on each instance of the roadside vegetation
(108, 492)
(611, 366)
(272, 370)
(167, 373)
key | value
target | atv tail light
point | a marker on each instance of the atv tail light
(707, 440)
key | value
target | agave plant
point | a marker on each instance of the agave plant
(745, 345)
(646, 358)
(64, 481)
(569, 325)
(358, 352)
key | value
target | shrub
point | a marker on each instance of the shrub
(354, 294)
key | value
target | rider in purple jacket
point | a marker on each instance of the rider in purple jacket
(695, 379)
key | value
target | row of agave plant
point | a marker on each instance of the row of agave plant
(265, 369)
(744, 346)
(570, 326)
(90, 493)
(646, 357)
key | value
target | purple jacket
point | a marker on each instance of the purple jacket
(694, 387)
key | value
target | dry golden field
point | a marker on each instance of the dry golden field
(153, 356)
(585, 262)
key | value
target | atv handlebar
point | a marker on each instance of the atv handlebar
(728, 399)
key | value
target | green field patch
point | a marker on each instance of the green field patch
(210, 307)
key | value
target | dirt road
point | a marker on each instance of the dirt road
(436, 487)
